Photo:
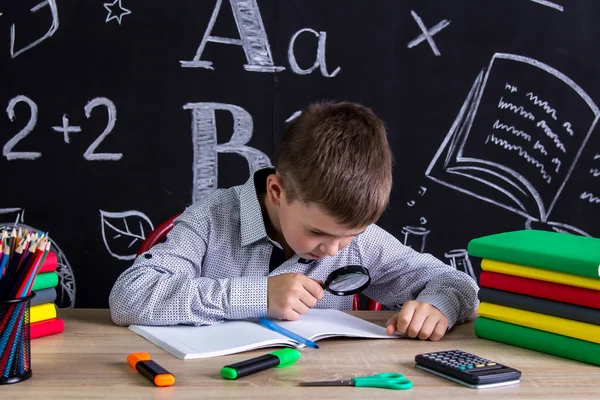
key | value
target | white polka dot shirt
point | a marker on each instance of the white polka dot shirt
(214, 266)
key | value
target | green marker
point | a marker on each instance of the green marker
(278, 359)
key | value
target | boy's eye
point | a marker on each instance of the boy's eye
(315, 233)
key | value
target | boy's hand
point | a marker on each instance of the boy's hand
(418, 319)
(289, 295)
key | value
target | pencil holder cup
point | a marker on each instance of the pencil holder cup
(15, 350)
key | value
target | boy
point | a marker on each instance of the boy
(259, 248)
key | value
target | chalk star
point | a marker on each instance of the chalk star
(66, 129)
(116, 11)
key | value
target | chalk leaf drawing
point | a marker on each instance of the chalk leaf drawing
(122, 230)
(115, 11)
(517, 138)
(53, 28)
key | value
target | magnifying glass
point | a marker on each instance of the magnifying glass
(347, 280)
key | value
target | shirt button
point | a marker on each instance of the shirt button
(148, 256)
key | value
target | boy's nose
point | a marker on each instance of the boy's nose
(329, 248)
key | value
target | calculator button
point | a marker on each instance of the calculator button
(491, 363)
(479, 365)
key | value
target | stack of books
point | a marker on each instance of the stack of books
(540, 290)
(42, 314)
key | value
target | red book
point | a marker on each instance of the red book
(543, 289)
(46, 328)
(50, 263)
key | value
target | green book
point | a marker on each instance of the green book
(560, 252)
(533, 339)
(45, 281)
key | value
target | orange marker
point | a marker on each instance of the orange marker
(150, 369)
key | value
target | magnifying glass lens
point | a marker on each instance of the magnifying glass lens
(348, 282)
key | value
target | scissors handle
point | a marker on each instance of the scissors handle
(388, 380)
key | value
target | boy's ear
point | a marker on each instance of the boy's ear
(275, 192)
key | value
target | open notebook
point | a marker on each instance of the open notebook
(229, 337)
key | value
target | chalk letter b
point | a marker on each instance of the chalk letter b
(206, 149)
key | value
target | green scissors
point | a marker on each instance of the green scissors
(388, 380)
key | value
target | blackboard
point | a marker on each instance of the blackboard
(120, 113)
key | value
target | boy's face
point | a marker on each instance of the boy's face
(311, 232)
(306, 228)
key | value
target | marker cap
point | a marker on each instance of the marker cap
(286, 356)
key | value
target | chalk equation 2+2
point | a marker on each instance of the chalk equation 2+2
(66, 129)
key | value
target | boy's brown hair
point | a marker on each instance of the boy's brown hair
(336, 155)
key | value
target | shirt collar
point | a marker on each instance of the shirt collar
(252, 224)
(251, 218)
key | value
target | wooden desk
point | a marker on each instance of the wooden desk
(88, 361)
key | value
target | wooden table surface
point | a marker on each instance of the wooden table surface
(88, 361)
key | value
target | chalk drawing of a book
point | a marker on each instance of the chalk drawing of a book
(517, 137)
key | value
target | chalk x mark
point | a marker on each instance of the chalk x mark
(427, 34)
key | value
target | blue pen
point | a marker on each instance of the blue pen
(279, 329)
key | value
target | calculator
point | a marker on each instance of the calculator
(467, 369)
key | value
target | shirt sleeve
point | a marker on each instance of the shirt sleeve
(400, 273)
(165, 286)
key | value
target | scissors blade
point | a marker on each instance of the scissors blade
(328, 383)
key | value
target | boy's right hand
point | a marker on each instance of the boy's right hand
(289, 295)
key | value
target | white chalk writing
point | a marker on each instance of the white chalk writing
(10, 110)
(549, 4)
(567, 126)
(206, 148)
(516, 109)
(540, 147)
(510, 87)
(559, 145)
(253, 38)
(53, 28)
(558, 163)
(427, 33)
(523, 153)
(112, 119)
(543, 104)
(590, 197)
(319, 62)
(511, 129)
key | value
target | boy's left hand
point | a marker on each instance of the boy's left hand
(418, 319)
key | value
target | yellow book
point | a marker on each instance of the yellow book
(542, 322)
(42, 312)
(540, 274)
